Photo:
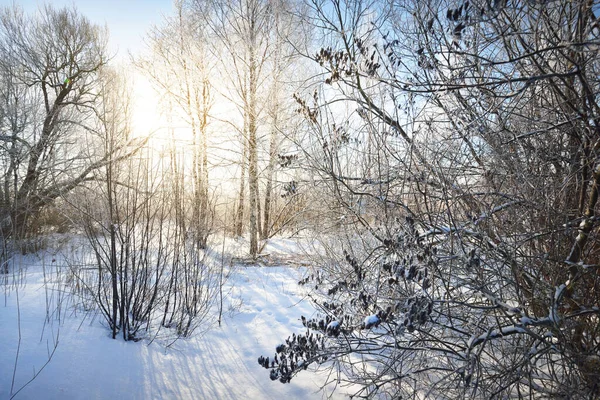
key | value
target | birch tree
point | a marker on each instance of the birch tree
(179, 65)
(248, 39)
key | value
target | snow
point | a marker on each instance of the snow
(494, 334)
(371, 320)
(526, 321)
(554, 315)
(263, 308)
(533, 351)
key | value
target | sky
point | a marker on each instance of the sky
(127, 20)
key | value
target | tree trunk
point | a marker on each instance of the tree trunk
(204, 203)
(252, 137)
(113, 250)
(239, 214)
(266, 227)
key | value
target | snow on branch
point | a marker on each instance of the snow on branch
(475, 341)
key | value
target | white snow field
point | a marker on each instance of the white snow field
(263, 308)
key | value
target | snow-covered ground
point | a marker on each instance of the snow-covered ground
(263, 307)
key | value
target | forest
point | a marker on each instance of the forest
(395, 198)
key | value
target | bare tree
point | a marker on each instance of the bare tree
(285, 75)
(50, 62)
(250, 43)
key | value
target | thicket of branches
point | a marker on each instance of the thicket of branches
(143, 268)
(463, 169)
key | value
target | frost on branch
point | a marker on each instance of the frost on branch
(416, 307)
(361, 303)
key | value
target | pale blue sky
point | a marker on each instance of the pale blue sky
(127, 20)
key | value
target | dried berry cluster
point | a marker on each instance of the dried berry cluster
(286, 160)
(408, 269)
(358, 270)
(338, 62)
(393, 300)
(417, 312)
(460, 17)
(297, 353)
(341, 64)
(290, 189)
(310, 113)
(460, 13)
(389, 50)
(370, 57)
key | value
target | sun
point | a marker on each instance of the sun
(146, 116)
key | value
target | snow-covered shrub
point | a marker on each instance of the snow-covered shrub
(466, 200)
(415, 316)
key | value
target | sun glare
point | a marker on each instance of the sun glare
(147, 118)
